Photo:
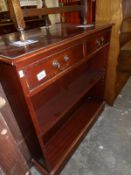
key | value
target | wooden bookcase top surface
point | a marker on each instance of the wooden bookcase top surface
(44, 40)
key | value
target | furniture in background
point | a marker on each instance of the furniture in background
(55, 87)
(8, 26)
(119, 63)
(18, 14)
(71, 17)
(75, 17)
(14, 154)
(83, 11)
(124, 61)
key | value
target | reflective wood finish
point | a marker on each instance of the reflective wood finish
(56, 88)
(63, 59)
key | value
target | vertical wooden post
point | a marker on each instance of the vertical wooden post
(45, 17)
(111, 12)
(85, 11)
(16, 14)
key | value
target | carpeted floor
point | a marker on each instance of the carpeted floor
(106, 150)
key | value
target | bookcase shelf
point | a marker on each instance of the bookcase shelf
(57, 90)
(67, 138)
(52, 112)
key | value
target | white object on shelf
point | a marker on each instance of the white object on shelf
(23, 43)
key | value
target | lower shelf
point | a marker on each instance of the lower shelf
(64, 142)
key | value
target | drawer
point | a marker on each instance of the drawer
(42, 70)
(96, 42)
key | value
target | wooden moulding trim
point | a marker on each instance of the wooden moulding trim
(54, 10)
(40, 167)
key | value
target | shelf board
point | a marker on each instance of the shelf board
(64, 142)
(53, 111)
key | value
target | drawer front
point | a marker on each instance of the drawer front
(96, 42)
(39, 72)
